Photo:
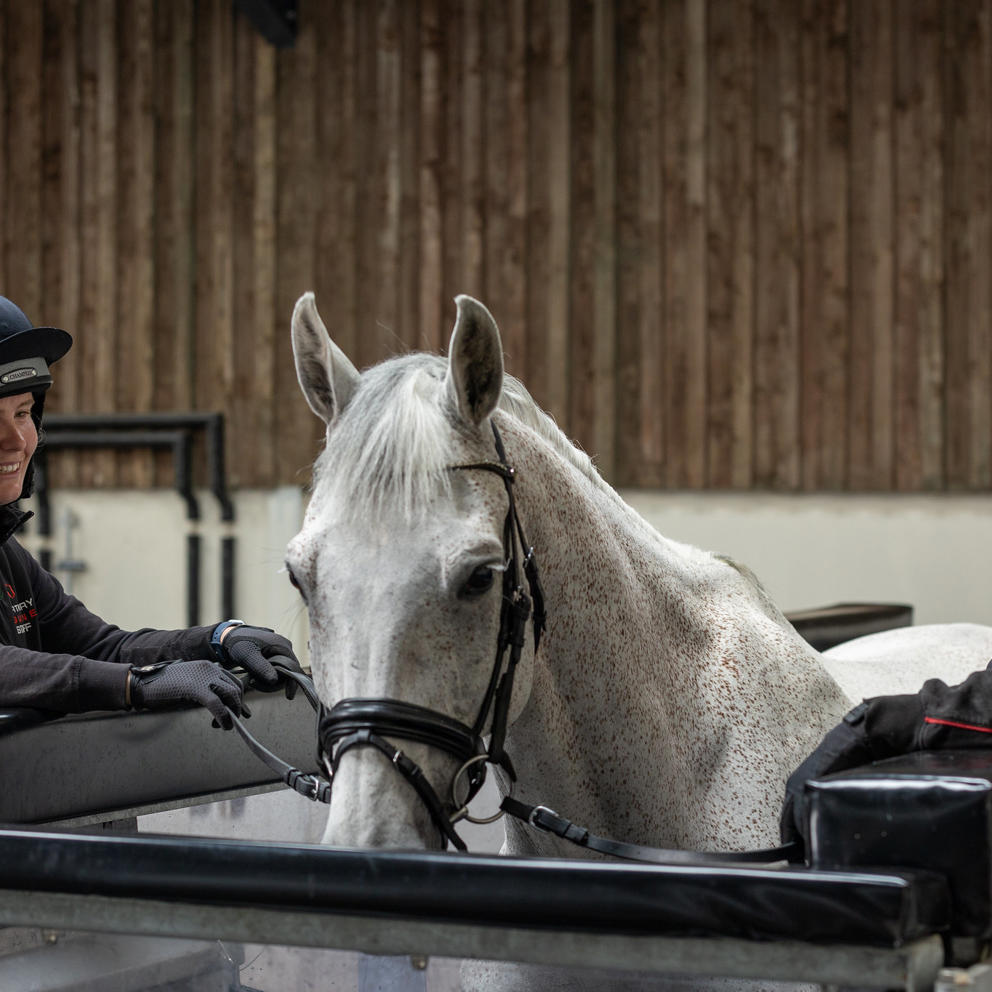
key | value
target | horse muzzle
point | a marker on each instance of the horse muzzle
(375, 723)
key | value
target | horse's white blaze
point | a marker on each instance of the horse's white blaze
(670, 698)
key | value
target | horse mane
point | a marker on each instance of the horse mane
(393, 444)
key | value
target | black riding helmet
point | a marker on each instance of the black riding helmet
(26, 352)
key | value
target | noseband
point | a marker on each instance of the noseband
(359, 722)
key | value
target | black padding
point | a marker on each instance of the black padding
(828, 626)
(881, 909)
(101, 762)
(929, 809)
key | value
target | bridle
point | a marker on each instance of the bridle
(364, 722)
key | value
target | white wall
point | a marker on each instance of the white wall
(133, 546)
(929, 551)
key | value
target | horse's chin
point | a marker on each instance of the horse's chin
(371, 806)
(386, 836)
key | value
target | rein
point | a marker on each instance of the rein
(366, 722)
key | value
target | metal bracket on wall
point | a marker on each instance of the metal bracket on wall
(67, 564)
(172, 431)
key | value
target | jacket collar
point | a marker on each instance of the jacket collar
(11, 518)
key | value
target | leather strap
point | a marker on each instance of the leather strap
(306, 784)
(309, 785)
(549, 821)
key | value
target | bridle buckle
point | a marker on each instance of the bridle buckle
(535, 812)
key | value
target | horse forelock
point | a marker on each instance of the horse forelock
(393, 443)
(396, 440)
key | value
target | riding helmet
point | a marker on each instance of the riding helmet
(26, 352)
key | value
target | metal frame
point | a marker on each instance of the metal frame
(914, 967)
(153, 430)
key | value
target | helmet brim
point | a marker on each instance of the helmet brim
(50, 343)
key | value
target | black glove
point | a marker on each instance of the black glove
(251, 648)
(174, 682)
(846, 746)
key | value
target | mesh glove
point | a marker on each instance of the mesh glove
(238, 645)
(170, 683)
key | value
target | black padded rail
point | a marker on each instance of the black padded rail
(828, 626)
(883, 909)
(930, 809)
(69, 767)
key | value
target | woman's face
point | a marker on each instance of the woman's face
(18, 440)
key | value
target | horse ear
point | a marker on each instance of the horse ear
(475, 361)
(326, 376)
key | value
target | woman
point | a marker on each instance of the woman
(54, 653)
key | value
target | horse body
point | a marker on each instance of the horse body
(669, 694)
(669, 699)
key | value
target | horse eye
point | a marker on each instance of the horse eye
(479, 582)
(295, 584)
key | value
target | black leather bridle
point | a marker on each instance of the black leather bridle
(359, 722)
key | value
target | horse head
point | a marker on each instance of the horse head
(405, 561)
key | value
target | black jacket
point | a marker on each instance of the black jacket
(54, 653)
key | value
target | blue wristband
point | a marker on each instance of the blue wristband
(218, 649)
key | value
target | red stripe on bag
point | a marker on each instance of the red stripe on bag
(954, 723)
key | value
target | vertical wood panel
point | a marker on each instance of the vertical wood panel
(471, 240)
(495, 160)
(96, 342)
(432, 307)
(538, 198)
(871, 367)
(134, 376)
(451, 196)
(254, 353)
(335, 237)
(640, 363)
(968, 184)
(918, 239)
(408, 295)
(685, 245)
(215, 203)
(5, 284)
(388, 136)
(512, 258)
(22, 217)
(729, 244)
(549, 182)
(297, 171)
(730, 226)
(604, 262)
(825, 130)
(174, 256)
(60, 203)
(777, 238)
(581, 208)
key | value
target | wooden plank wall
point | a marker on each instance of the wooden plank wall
(731, 244)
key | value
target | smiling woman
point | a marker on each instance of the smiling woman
(18, 440)
(54, 653)
(26, 352)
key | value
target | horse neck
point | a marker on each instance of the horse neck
(659, 660)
